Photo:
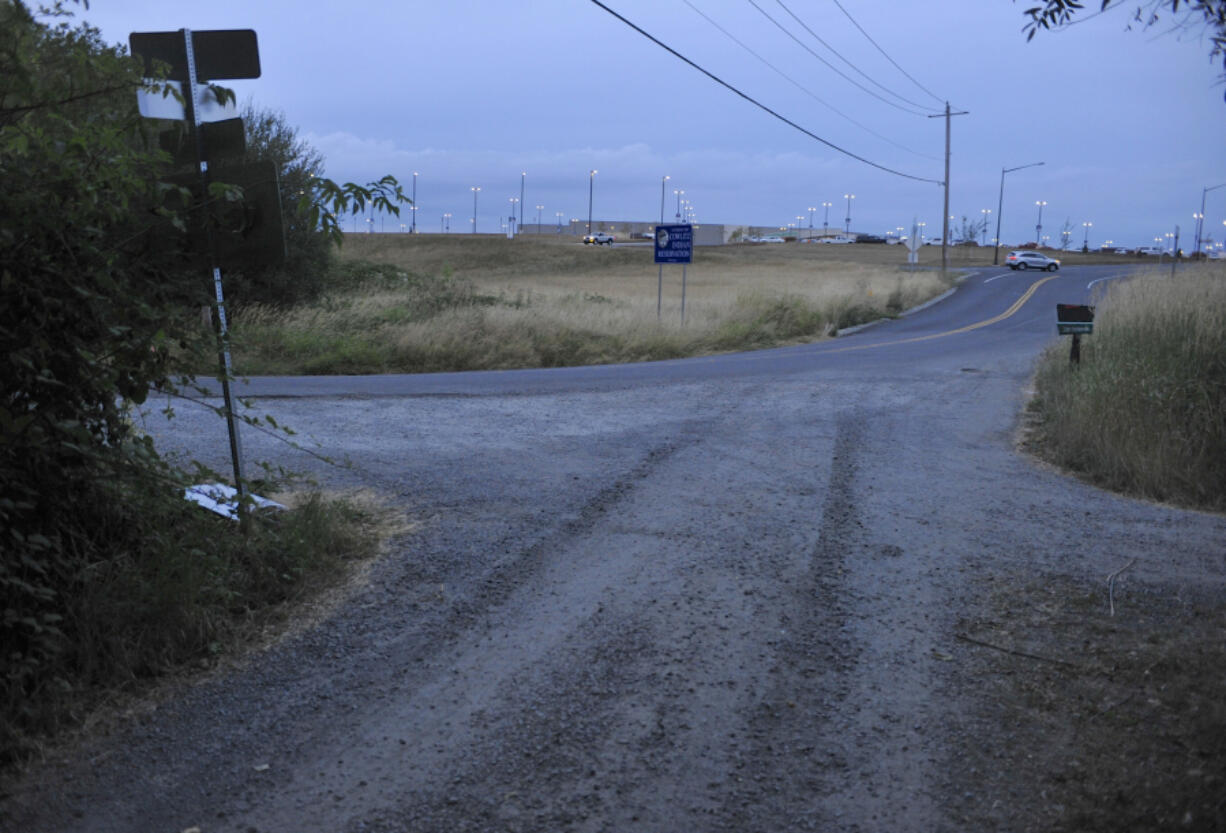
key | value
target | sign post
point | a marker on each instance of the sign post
(1075, 320)
(673, 244)
(194, 59)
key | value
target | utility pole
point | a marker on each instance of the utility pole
(945, 214)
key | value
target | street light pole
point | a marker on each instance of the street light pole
(678, 194)
(1200, 223)
(475, 191)
(826, 220)
(539, 209)
(1085, 241)
(849, 198)
(983, 229)
(1001, 204)
(414, 228)
(811, 210)
(591, 184)
(1038, 227)
(522, 176)
(663, 184)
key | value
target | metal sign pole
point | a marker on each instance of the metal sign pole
(683, 268)
(659, 292)
(222, 328)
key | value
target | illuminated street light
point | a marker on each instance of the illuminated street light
(591, 184)
(984, 227)
(1085, 241)
(849, 198)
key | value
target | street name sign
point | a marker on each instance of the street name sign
(1074, 319)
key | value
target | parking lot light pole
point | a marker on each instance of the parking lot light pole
(414, 227)
(1001, 204)
(849, 198)
(539, 209)
(663, 185)
(826, 220)
(1038, 227)
(984, 226)
(591, 184)
(475, 190)
(1085, 241)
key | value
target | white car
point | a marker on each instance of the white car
(770, 239)
(598, 238)
(1025, 259)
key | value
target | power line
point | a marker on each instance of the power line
(759, 104)
(883, 52)
(801, 87)
(836, 70)
(818, 38)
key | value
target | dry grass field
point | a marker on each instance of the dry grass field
(425, 303)
(1145, 411)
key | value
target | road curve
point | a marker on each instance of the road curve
(711, 594)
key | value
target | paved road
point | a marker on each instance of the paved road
(687, 595)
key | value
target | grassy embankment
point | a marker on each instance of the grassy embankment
(427, 303)
(1145, 412)
(153, 585)
(1112, 692)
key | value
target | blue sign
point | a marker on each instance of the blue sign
(675, 244)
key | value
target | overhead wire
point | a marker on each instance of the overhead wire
(802, 88)
(865, 75)
(835, 69)
(759, 104)
(883, 52)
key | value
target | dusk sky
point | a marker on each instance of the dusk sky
(1131, 125)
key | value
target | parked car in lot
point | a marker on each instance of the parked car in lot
(1024, 260)
(598, 238)
(771, 239)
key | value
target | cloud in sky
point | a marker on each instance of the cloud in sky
(1129, 124)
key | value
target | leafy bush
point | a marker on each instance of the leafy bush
(89, 312)
(104, 573)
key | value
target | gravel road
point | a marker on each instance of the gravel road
(723, 603)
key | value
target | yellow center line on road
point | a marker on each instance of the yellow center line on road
(1012, 310)
(1017, 305)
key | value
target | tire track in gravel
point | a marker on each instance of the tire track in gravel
(612, 691)
(792, 751)
(495, 642)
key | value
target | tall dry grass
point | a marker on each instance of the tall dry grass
(448, 304)
(1145, 412)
